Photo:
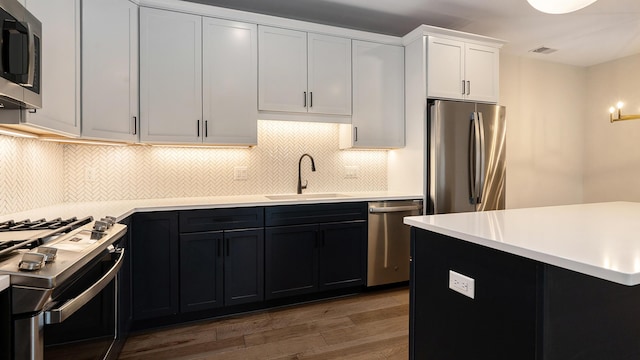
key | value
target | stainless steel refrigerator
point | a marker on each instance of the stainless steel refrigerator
(466, 157)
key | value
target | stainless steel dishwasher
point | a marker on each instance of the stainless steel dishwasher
(389, 240)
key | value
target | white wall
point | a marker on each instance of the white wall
(612, 151)
(406, 171)
(545, 131)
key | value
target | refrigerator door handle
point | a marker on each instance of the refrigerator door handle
(472, 158)
(482, 158)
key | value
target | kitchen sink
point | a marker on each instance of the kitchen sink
(305, 196)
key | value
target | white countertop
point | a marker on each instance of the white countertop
(601, 240)
(4, 282)
(123, 208)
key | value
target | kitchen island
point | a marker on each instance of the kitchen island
(541, 283)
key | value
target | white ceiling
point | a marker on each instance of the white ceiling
(603, 31)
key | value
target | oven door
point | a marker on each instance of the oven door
(83, 324)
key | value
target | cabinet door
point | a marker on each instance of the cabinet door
(329, 75)
(230, 75)
(445, 68)
(170, 77)
(110, 70)
(282, 70)
(243, 266)
(378, 95)
(291, 261)
(155, 265)
(482, 66)
(60, 65)
(201, 271)
(343, 255)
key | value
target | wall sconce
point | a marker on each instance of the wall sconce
(619, 116)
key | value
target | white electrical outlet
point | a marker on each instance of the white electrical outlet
(462, 284)
(351, 172)
(90, 174)
(240, 173)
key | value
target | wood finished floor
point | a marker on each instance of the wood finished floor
(361, 327)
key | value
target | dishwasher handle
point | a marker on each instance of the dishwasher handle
(392, 209)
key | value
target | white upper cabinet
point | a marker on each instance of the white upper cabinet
(110, 70)
(482, 68)
(198, 79)
(170, 77)
(282, 69)
(378, 98)
(329, 75)
(229, 82)
(460, 70)
(60, 66)
(303, 72)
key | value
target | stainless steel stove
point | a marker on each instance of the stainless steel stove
(57, 268)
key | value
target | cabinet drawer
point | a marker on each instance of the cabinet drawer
(221, 219)
(314, 213)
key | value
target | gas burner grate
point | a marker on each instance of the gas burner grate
(56, 227)
(40, 224)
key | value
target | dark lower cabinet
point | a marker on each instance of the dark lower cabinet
(6, 339)
(223, 267)
(303, 259)
(243, 266)
(201, 263)
(155, 268)
(499, 323)
(201, 271)
(291, 260)
(342, 255)
(522, 309)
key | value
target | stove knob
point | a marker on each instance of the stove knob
(49, 253)
(32, 261)
(100, 225)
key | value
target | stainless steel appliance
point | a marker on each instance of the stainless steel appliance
(466, 157)
(389, 240)
(63, 276)
(20, 61)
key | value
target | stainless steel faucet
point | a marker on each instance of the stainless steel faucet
(313, 168)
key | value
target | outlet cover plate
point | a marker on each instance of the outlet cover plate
(462, 284)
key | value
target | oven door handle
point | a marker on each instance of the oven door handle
(60, 314)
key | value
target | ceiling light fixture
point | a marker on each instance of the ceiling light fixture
(559, 6)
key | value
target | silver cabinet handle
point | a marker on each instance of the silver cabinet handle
(135, 125)
(311, 99)
(60, 314)
(198, 128)
(468, 87)
(206, 128)
(392, 209)
(463, 87)
(305, 99)
(355, 133)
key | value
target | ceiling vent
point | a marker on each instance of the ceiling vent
(543, 50)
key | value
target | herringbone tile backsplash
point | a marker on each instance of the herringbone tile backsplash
(31, 174)
(35, 173)
(144, 172)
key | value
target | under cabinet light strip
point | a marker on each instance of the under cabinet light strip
(18, 133)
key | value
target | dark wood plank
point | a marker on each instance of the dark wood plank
(368, 326)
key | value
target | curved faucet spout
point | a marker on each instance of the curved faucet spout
(313, 168)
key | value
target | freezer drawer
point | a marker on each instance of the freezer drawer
(388, 242)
